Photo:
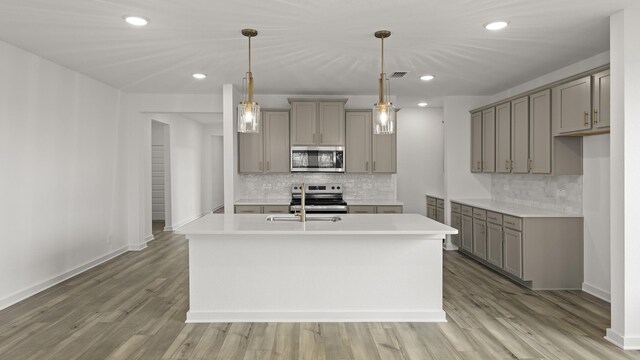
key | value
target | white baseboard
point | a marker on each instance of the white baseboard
(30, 291)
(315, 316)
(623, 342)
(182, 223)
(137, 247)
(216, 208)
(149, 238)
(597, 292)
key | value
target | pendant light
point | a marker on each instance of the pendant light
(248, 110)
(384, 113)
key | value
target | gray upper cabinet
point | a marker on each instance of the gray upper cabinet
(276, 141)
(383, 153)
(304, 116)
(540, 132)
(250, 152)
(520, 135)
(476, 142)
(358, 142)
(601, 99)
(331, 123)
(489, 140)
(503, 138)
(572, 106)
(317, 122)
(268, 150)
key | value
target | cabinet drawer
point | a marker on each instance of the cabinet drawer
(389, 209)
(440, 203)
(276, 209)
(248, 209)
(494, 217)
(512, 222)
(362, 209)
(479, 214)
(467, 210)
(455, 207)
(431, 201)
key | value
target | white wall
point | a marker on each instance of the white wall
(60, 208)
(186, 150)
(420, 157)
(212, 167)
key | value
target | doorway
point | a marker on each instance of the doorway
(160, 177)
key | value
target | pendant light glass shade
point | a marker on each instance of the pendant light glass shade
(248, 110)
(384, 113)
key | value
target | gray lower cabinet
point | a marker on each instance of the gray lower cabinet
(440, 215)
(362, 209)
(375, 209)
(480, 238)
(538, 252)
(388, 209)
(275, 209)
(431, 212)
(494, 244)
(456, 223)
(467, 233)
(513, 252)
(248, 209)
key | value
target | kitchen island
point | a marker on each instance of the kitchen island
(375, 267)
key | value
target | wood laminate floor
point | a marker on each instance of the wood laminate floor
(134, 306)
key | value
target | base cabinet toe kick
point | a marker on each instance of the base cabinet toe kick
(541, 253)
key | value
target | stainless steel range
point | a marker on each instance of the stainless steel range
(320, 198)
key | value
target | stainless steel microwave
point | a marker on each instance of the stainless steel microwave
(317, 159)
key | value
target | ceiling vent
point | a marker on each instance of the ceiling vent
(399, 74)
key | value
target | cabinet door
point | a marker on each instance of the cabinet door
(572, 106)
(276, 141)
(480, 238)
(384, 153)
(520, 135)
(513, 252)
(250, 152)
(304, 123)
(476, 142)
(456, 223)
(489, 140)
(358, 142)
(494, 244)
(540, 132)
(601, 99)
(331, 123)
(389, 209)
(362, 209)
(431, 212)
(440, 215)
(503, 138)
(467, 233)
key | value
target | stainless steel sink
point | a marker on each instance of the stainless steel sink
(309, 218)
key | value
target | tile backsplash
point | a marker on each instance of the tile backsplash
(560, 193)
(356, 186)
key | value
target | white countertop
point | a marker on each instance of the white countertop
(365, 224)
(357, 202)
(513, 209)
(263, 202)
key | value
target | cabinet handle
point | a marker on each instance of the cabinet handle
(595, 116)
(478, 167)
(506, 165)
(586, 118)
(366, 165)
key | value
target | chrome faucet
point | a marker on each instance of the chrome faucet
(302, 213)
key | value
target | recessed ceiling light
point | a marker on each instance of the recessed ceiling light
(422, 104)
(496, 25)
(199, 76)
(136, 20)
(427, 77)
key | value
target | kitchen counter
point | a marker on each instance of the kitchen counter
(368, 202)
(263, 202)
(364, 268)
(514, 209)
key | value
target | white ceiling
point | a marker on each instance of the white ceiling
(310, 46)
